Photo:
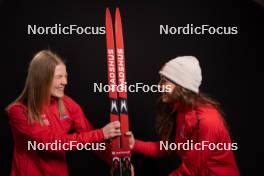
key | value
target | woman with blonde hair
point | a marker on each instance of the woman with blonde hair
(43, 114)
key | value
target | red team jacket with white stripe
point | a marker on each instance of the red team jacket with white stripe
(197, 162)
(48, 162)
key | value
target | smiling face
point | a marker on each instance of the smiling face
(59, 81)
(165, 82)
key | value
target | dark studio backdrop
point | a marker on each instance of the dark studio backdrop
(228, 65)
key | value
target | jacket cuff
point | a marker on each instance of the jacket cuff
(138, 146)
(100, 134)
(94, 136)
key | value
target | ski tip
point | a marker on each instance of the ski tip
(117, 11)
(107, 10)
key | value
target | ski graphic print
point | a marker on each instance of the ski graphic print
(121, 163)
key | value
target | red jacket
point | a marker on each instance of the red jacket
(47, 162)
(198, 162)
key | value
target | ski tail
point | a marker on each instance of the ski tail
(122, 95)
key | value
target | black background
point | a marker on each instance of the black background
(229, 64)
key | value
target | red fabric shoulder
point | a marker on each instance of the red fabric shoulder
(16, 108)
(210, 116)
(69, 101)
(71, 105)
(206, 118)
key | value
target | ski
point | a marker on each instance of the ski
(121, 163)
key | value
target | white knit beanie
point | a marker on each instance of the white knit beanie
(184, 71)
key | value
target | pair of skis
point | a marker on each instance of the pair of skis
(121, 163)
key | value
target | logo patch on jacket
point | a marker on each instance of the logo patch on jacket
(64, 117)
(45, 120)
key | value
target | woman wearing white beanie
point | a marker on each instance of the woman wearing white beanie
(186, 115)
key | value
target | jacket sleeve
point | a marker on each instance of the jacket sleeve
(194, 160)
(42, 133)
(81, 124)
(151, 149)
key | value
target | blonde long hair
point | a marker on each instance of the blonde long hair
(37, 91)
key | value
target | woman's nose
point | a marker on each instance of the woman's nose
(64, 81)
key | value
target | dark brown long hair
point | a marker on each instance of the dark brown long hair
(37, 91)
(166, 112)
